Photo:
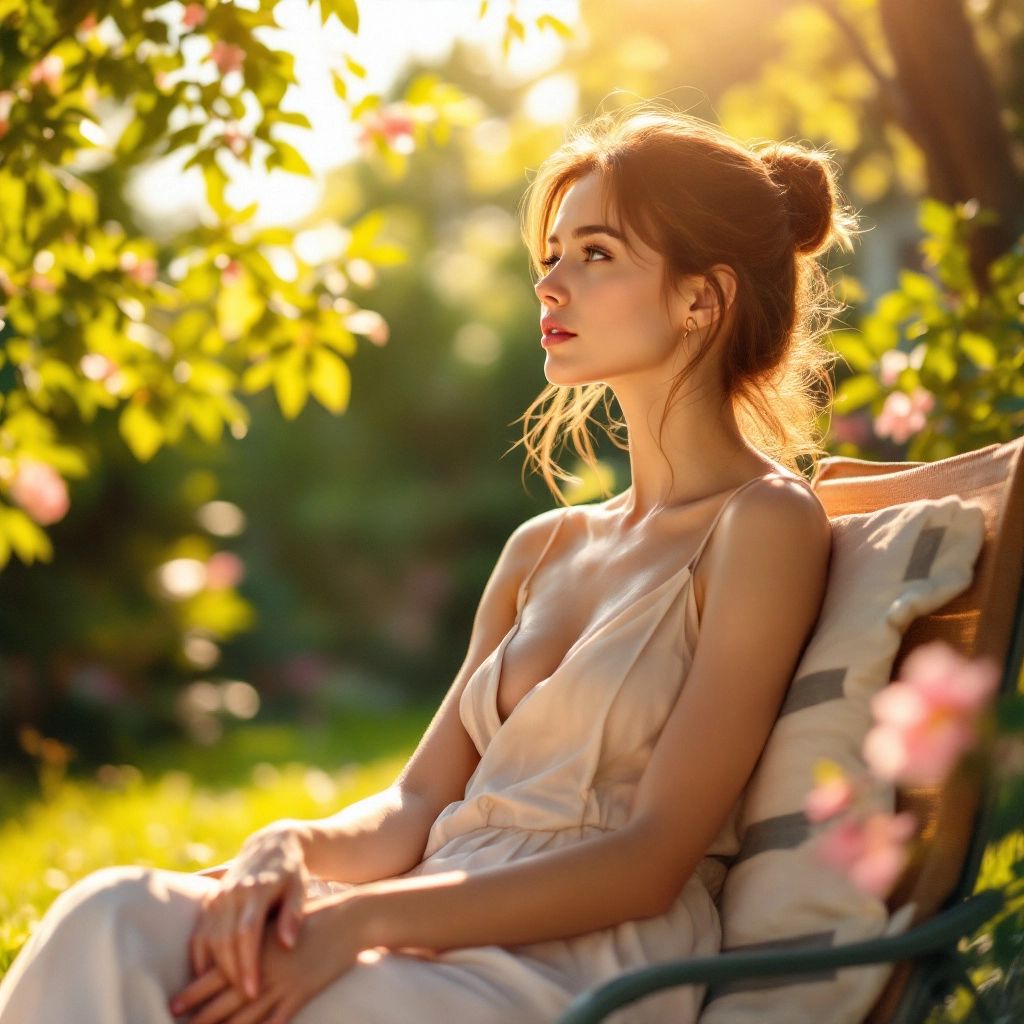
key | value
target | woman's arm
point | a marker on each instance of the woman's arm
(766, 586)
(385, 834)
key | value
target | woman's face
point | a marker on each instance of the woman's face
(611, 299)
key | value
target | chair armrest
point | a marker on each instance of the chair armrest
(940, 931)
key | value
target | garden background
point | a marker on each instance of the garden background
(268, 325)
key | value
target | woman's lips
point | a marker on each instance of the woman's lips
(547, 340)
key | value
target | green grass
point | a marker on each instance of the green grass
(188, 807)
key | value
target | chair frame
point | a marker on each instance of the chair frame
(930, 946)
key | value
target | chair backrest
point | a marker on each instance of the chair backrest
(979, 622)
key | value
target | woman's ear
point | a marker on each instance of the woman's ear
(708, 300)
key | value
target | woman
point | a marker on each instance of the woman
(562, 818)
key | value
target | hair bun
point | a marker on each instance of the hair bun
(808, 190)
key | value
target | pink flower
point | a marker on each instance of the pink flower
(195, 14)
(393, 124)
(48, 72)
(227, 57)
(872, 852)
(96, 366)
(142, 271)
(830, 796)
(928, 719)
(39, 489)
(224, 569)
(6, 102)
(891, 365)
(903, 415)
(231, 273)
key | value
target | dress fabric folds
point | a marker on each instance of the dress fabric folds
(564, 766)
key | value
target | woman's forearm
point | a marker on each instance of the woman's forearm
(593, 884)
(379, 837)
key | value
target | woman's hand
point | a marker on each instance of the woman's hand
(327, 947)
(268, 873)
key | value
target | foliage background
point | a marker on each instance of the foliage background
(364, 487)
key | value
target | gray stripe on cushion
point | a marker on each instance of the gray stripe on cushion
(779, 833)
(814, 688)
(923, 555)
(812, 940)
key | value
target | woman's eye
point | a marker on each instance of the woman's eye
(588, 249)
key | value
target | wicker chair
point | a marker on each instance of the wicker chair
(987, 619)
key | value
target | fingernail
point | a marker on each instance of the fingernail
(250, 988)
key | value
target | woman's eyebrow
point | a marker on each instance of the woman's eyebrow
(591, 229)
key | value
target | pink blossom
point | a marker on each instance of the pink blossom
(195, 14)
(224, 569)
(48, 72)
(391, 123)
(830, 796)
(928, 719)
(904, 415)
(227, 56)
(142, 271)
(231, 273)
(6, 102)
(891, 365)
(39, 489)
(871, 852)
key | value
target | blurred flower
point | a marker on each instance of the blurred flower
(926, 720)
(393, 124)
(871, 851)
(39, 489)
(231, 272)
(891, 365)
(96, 366)
(195, 15)
(224, 569)
(48, 72)
(142, 271)
(370, 323)
(903, 415)
(832, 792)
(6, 102)
(227, 57)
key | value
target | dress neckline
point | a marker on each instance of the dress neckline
(498, 655)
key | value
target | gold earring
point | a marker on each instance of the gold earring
(689, 329)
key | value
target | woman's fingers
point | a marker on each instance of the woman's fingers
(198, 991)
(257, 1012)
(249, 943)
(220, 1008)
(289, 917)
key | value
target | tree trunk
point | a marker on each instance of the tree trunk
(957, 118)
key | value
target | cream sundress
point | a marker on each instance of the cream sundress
(562, 767)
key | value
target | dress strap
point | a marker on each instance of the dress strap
(540, 558)
(722, 508)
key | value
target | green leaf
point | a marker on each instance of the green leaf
(852, 347)
(26, 538)
(339, 85)
(357, 69)
(330, 380)
(550, 21)
(978, 349)
(290, 383)
(141, 431)
(289, 159)
(346, 11)
(855, 392)
(258, 376)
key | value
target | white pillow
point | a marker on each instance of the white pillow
(888, 568)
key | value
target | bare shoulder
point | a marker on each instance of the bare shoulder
(778, 531)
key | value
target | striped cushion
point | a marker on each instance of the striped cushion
(888, 568)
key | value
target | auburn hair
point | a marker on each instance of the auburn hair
(699, 197)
